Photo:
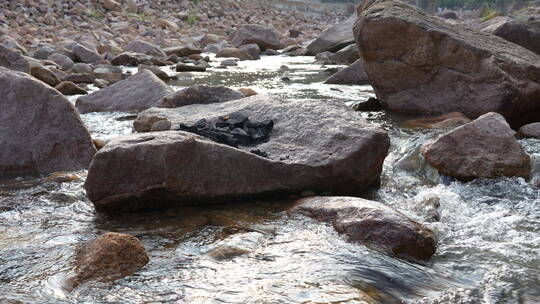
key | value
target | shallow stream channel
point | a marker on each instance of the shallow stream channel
(488, 230)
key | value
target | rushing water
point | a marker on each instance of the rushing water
(488, 230)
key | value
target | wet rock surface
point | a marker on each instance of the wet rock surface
(111, 256)
(40, 130)
(313, 145)
(136, 93)
(485, 147)
(373, 224)
(448, 67)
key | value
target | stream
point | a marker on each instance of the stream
(255, 252)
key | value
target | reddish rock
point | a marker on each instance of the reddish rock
(265, 37)
(485, 147)
(373, 224)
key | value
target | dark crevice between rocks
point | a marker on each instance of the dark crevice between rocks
(233, 130)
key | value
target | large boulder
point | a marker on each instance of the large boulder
(84, 54)
(199, 94)
(265, 37)
(334, 38)
(373, 224)
(13, 60)
(516, 31)
(136, 93)
(422, 64)
(314, 145)
(111, 256)
(355, 74)
(485, 147)
(40, 130)
(347, 55)
(146, 48)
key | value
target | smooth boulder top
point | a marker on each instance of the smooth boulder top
(334, 38)
(136, 93)
(373, 224)
(143, 47)
(529, 131)
(40, 130)
(199, 94)
(485, 147)
(516, 31)
(314, 145)
(422, 64)
(13, 60)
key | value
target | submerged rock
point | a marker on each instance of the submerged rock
(450, 120)
(373, 224)
(199, 94)
(334, 38)
(485, 147)
(316, 145)
(136, 93)
(111, 256)
(423, 64)
(40, 130)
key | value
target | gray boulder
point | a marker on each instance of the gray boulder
(265, 37)
(199, 94)
(146, 48)
(529, 131)
(316, 145)
(485, 147)
(40, 131)
(136, 93)
(334, 38)
(373, 224)
(13, 60)
(62, 60)
(84, 54)
(423, 64)
(355, 74)
(347, 55)
(516, 31)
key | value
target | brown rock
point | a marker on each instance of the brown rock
(199, 94)
(146, 48)
(485, 147)
(516, 31)
(44, 74)
(62, 60)
(182, 51)
(84, 54)
(252, 49)
(69, 88)
(355, 74)
(234, 53)
(157, 71)
(136, 93)
(80, 78)
(265, 37)
(322, 146)
(39, 128)
(109, 257)
(373, 224)
(247, 92)
(334, 38)
(183, 67)
(423, 64)
(112, 5)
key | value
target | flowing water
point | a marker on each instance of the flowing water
(488, 230)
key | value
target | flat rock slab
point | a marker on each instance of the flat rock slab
(314, 145)
(136, 93)
(422, 64)
(40, 130)
(373, 224)
(485, 147)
